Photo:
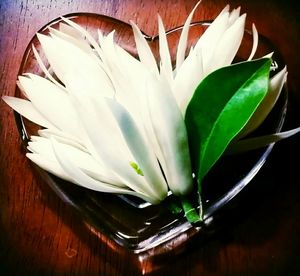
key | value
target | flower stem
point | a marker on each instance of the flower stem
(191, 213)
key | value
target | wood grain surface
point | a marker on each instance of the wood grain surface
(41, 235)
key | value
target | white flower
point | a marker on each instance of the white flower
(113, 123)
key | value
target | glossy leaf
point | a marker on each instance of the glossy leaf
(221, 105)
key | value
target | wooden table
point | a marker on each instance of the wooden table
(41, 235)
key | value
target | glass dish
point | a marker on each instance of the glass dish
(133, 224)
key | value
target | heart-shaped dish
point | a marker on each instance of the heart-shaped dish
(128, 221)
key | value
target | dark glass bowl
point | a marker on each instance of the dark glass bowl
(133, 224)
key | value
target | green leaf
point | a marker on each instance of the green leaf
(220, 107)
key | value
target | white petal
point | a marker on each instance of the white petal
(80, 178)
(77, 40)
(21, 88)
(183, 38)
(95, 110)
(80, 159)
(85, 34)
(71, 31)
(144, 51)
(166, 64)
(187, 79)
(48, 165)
(115, 154)
(70, 63)
(52, 102)
(100, 36)
(210, 38)
(44, 68)
(171, 134)
(27, 109)
(269, 55)
(267, 104)
(128, 76)
(234, 15)
(255, 42)
(134, 95)
(111, 64)
(252, 143)
(63, 137)
(134, 73)
(228, 45)
(140, 150)
(215, 30)
(55, 57)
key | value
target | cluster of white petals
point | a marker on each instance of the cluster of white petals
(114, 123)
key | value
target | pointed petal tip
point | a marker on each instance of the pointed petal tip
(43, 39)
(243, 16)
(8, 100)
(225, 9)
(24, 77)
(197, 4)
(5, 98)
(182, 43)
(132, 23)
(40, 35)
(269, 55)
